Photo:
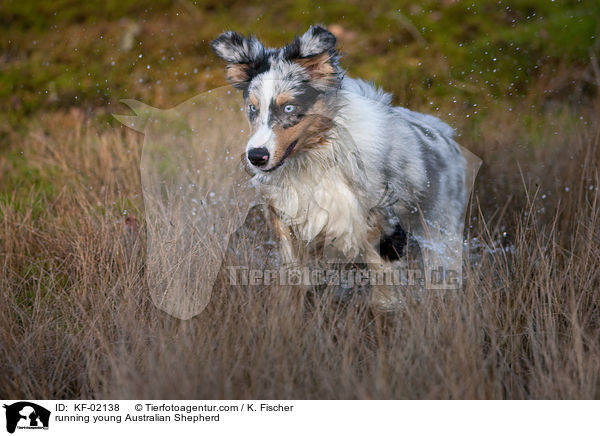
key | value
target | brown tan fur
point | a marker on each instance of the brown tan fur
(253, 100)
(283, 98)
(310, 132)
(319, 67)
(237, 73)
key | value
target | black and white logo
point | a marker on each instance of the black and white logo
(26, 415)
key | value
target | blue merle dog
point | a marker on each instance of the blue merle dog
(339, 164)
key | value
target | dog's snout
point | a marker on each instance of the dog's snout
(258, 156)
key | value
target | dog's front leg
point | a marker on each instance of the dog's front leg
(287, 252)
(386, 293)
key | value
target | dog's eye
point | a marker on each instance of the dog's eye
(289, 108)
(252, 108)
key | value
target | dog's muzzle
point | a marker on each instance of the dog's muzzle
(258, 156)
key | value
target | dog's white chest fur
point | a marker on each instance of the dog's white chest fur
(320, 204)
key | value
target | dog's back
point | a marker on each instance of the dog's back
(410, 158)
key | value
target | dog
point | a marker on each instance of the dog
(339, 165)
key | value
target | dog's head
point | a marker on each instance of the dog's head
(287, 91)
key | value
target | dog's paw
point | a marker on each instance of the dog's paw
(386, 298)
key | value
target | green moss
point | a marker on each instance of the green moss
(44, 14)
(67, 53)
(23, 177)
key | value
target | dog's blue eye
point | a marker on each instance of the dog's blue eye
(252, 108)
(289, 108)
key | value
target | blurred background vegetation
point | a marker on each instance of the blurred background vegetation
(59, 54)
(461, 60)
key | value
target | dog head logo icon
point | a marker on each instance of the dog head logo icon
(26, 415)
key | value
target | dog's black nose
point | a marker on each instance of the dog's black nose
(258, 156)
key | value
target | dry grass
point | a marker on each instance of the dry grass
(77, 320)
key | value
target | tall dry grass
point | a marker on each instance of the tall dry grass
(77, 320)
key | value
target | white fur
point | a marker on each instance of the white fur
(263, 137)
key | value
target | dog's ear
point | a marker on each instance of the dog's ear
(315, 51)
(317, 40)
(243, 55)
